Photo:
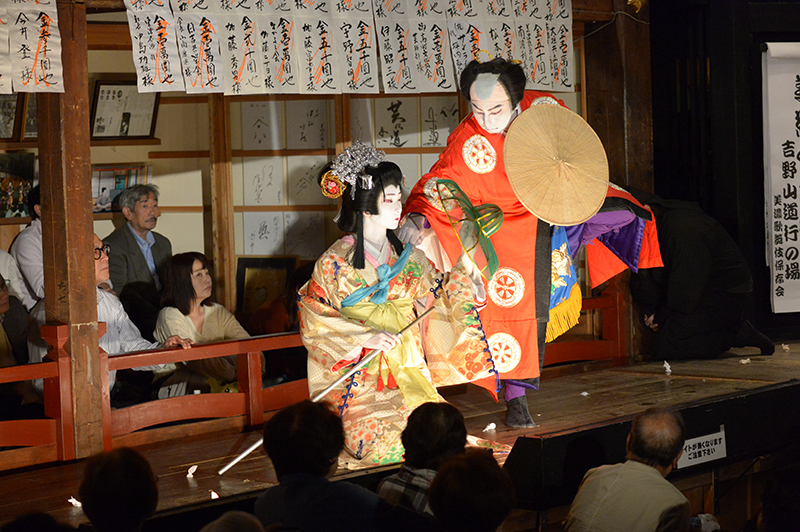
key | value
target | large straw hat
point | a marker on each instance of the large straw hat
(556, 165)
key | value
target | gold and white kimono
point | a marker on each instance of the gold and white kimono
(449, 348)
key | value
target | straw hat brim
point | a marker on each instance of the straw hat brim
(556, 165)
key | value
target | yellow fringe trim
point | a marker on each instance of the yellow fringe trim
(566, 315)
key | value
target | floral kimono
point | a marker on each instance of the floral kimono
(449, 348)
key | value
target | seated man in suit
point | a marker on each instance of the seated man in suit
(137, 255)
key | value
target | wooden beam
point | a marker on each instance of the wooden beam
(219, 241)
(65, 168)
(109, 36)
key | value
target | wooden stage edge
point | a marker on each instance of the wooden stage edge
(567, 409)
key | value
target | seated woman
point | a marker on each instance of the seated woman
(188, 310)
(364, 290)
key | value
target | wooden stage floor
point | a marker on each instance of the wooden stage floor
(563, 403)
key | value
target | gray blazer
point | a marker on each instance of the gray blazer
(133, 282)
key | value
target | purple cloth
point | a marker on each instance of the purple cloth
(621, 231)
(512, 391)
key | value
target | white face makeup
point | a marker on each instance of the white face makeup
(493, 112)
(390, 206)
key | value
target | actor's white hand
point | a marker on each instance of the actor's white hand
(411, 230)
(383, 341)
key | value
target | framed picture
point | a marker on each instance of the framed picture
(119, 111)
(31, 124)
(109, 180)
(16, 180)
(10, 118)
(260, 280)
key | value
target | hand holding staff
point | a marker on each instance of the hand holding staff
(363, 362)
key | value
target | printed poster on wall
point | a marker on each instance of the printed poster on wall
(781, 106)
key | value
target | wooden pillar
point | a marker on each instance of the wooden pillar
(619, 94)
(219, 240)
(65, 178)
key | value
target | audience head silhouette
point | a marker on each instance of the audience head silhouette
(118, 491)
(306, 437)
(434, 433)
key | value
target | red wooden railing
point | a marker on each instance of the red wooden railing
(251, 401)
(51, 439)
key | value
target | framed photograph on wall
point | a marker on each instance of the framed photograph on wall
(109, 180)
(119, 111)
(260, 280)
(10, 118)
(17, 177)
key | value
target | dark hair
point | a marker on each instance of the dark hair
(35, 522)
(780, 501)
(657, 436)
(471, 493)
(434, 433)
(306, 437)
(131, 195)
(119, 490)
(510, 75)
(34, 199)
(178, 289)
(351, 219)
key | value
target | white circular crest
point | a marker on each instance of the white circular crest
(506, 287)
(506, 351)
(432, 193)
(479, 155)
(545, 100)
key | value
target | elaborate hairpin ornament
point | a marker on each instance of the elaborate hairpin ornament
(348, 168)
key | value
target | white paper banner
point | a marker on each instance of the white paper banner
(432, 61)
(240, 52)
(781, 111)
(5, 55)
(358, 53)
(559, 40)
(198, 42)
(319, 73)
(35, 45)
(396, 66)
(467, 38)
(278, 53)
(155, 50)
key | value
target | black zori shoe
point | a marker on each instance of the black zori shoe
(517, 414)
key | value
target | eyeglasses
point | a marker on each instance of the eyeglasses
(98, 252)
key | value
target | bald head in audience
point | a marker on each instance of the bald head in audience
(656, 439)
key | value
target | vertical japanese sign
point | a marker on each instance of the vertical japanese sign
(319, 71)
(394, 40)
(155, 47)
(5, 52)
(559, 40)
(432, 62)
(781, 106)
(467, 39)
(358, 52)
(198, 42)
(35, 47)
(278, 53)
(241, 54)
